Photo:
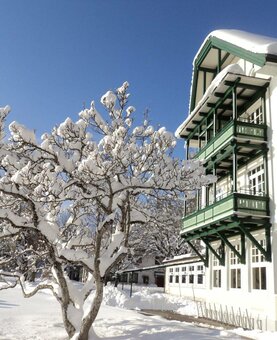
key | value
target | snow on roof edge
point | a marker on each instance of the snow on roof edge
(182, 257)
(233, 68)
(251, 42)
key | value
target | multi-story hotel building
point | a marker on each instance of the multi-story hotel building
(232, 127)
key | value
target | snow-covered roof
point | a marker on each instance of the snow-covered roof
(249, 41)
(233, 45)
(183, 258)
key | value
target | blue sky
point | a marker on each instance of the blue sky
(57, 55)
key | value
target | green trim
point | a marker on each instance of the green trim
(203, 53)
(223, 210)
(205, 260)
(230, 131)
(220, 257)
(255, 58)
(213, 42)
(241, 255)
(266, 252)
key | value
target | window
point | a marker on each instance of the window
(177, 269)
(200, 279)
(176, 279)
(256, 117)
(236, 278)
(191, 268)
(191, 278)
(123, 277)
(184, 269)
(170, 278)
(183, 278)
(145, 279)
(256, 181)
(235, 270)
(216, 273)
(217, 278)
(200, 274)
(259, 278)
(133, 278)
(258, 268)
(171, 270)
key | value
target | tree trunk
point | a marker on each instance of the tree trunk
(90, 318)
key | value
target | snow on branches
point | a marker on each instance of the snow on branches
(72, 198)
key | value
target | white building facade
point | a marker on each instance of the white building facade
(232, 128)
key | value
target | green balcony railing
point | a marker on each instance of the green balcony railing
(234, 203)
(232, 129)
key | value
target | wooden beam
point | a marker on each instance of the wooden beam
(205, 260)
(266, 252)
(241, 255)
(220, 257)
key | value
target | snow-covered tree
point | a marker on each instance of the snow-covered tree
(160, 236)
(73, 197)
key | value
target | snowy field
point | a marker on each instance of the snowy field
(39, 318)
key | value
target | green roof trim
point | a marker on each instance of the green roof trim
(214, 42)
(255, 58)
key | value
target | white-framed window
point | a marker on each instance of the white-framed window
(184, 269)
(200, 274)
(216, 272)
(256, 180)
(259, 277)
(235, 269)
(170, 279)
(256, 116)
(191, 278)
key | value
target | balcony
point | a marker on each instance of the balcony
(254, 134)
(225, 215)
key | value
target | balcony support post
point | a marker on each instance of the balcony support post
(268, 241)
(264, 107)
(187, 149)
(235, 109)
(214, 184)
(235, 168)
(265, 160)
(243, 250)
(219, 61)
(214, 123)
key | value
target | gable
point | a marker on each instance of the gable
(224, 47)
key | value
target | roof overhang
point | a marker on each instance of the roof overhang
(249, 86)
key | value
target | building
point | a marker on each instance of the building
(147, 272)
(232, 128)
(185, 274)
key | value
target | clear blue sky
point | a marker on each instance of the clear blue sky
(57, 54)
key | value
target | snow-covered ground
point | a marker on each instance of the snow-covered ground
(39, 318)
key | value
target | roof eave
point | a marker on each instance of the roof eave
(213, 42)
